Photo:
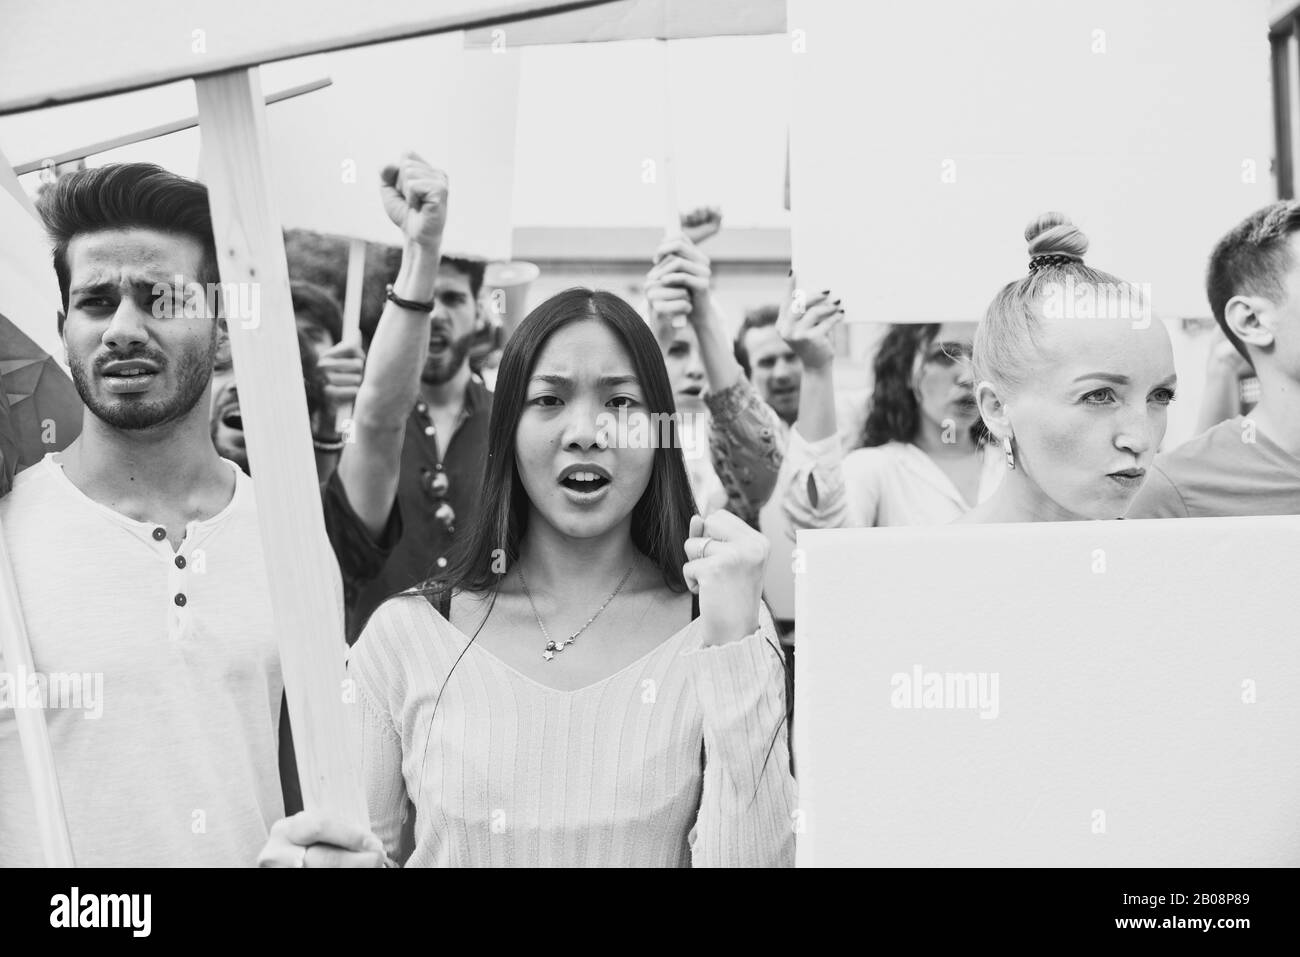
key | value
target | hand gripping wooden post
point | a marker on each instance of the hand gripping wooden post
(299, 564)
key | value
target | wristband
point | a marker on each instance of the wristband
(323, 445)
(408, 303)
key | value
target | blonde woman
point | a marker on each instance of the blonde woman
(1073, 380)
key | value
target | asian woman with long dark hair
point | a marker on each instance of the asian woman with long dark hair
(595, 681)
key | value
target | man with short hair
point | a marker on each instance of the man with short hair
(769, 363)
(137, 552)
(444, 452)
(1247, 465)
(137, 556)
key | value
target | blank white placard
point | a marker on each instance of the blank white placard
(925, 136)
(1127, 656)
(100, 48)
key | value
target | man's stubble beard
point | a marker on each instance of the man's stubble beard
(194, 372)
(440, 371)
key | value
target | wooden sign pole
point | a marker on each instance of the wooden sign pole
(29, 716)
(352, 291)
(351, 322)
(162, 129)
(672, 214)
(299, 565)
(16, 653)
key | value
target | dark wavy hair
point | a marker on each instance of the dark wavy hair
(123, 196)
(660, 519)
(894, 414)
(317, 305)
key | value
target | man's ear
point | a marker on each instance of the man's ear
(1251, 320)
(993, 410)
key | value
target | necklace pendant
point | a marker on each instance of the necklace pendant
(548, 655)
(559, 645)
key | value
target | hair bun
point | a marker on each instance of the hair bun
(1052, 234)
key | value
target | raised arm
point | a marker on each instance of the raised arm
(814, 486)
(745, 435)
(415, 197)
(678, 286)
(746, 445)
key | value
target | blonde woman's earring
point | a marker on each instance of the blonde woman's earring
(1009, 452)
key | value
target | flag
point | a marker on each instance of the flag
(40, 410)
(8, 446)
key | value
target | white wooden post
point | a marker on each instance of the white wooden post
(29, 716)
(299, 564)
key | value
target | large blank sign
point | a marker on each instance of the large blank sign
(101, 48)
(926, 135)
(1099, 694)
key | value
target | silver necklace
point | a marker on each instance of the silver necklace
(554, 647)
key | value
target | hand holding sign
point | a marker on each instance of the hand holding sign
(806, 324)
(342, 365)
(678, 282)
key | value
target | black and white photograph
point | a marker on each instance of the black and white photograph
(638, 434)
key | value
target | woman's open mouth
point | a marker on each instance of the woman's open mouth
(584, 485)
(585, 482)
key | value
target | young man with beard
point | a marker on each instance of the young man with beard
(137, 553)
(445, 447)
(137, 556)
(362, 517)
